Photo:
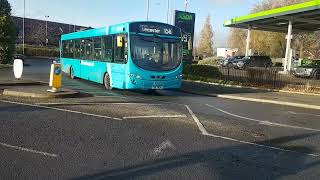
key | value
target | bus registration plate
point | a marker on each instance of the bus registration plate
(157, 86)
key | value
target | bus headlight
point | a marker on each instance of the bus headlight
(179, 76)
(135, 76)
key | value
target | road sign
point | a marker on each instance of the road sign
(18, 68)
(186, 21)
(55, 77)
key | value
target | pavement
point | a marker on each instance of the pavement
(5, 66)
(167, 135)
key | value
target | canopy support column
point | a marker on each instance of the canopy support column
(248, 41)
(288, 48)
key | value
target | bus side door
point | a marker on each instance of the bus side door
(87, 64)
(120, 60)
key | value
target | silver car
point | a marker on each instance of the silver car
(311, 70)
(228, 62)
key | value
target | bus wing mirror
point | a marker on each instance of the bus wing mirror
(119, 41)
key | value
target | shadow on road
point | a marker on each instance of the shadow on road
(195, 87)
(234, 162)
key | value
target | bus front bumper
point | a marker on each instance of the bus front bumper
(146, 84)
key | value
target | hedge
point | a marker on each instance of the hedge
(201, 72)
(38, 51)
(213, 61)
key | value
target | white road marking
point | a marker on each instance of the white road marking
(28, 150)
(64, 110)
(266, 123)
(101, 103)
(205, 133)
(307, 106)
(260, 145)
(155, 116)
(163, 146)
(295, 113)
(199, 124)
(140, 104)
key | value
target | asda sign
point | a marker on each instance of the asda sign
(185, 21)
(185, 16)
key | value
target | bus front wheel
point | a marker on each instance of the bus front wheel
(72, 73)
(106, 82)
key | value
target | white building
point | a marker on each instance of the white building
(226, 52)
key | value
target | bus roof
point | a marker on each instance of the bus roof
(113, 29)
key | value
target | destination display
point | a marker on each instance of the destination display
(155, 28)
(186, 21)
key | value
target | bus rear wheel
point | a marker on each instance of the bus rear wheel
(72, 73)
(106, 82)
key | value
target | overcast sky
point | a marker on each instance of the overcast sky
(99, 13)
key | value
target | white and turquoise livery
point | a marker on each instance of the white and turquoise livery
(134, 55)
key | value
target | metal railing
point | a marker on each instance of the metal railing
(269, 78)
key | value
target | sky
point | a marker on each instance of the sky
(100, 13)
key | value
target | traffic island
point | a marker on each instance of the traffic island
(37, 91)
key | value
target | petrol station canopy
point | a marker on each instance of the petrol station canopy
(305, 17)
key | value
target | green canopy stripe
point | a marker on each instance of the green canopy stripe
(314, 4)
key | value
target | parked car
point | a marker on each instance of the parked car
(311, 70)
(227, 62)
(253, 61)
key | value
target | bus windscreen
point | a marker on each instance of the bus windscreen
(156, 54)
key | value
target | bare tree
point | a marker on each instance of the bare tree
(38, 34)
(205, 47)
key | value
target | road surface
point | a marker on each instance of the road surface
(168, 135)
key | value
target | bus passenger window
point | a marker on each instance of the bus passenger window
(88, 49)
(67, 49)
(108, 51)
(77, 49)
(82, 49)
(121, 53)
(64, 49)
(97, 48)
(71, 49)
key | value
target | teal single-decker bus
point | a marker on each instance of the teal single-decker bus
(133, 55)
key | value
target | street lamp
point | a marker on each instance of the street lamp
(168, 10)
(47, 40)
(148, 8)
(23, 19)
(185, 5)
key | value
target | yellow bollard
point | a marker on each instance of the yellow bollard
(55, 78)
